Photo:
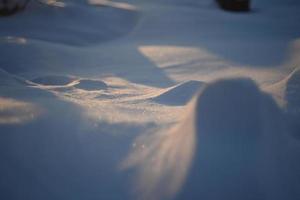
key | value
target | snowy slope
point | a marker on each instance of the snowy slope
(140, 99)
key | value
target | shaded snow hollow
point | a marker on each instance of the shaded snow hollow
(179, 94)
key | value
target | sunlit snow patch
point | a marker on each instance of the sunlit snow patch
(237, 106)
(16, 112)
(54, 3)
(114, 4)
(13, 40)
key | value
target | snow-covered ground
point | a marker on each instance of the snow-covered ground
(150, 99)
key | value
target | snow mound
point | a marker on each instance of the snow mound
(91, 85)
(179, 94)
(240, 129)
(55, 80)
(235, 104)
(230, 129)
(227, 123)
(93, 25)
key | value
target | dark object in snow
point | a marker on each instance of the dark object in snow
(234, 5)
(10, 7)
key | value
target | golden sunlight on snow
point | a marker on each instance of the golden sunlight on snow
(13, 40)
(157, 156)
(194, 63)
(114, 4)
(54, 3)
(119, 102)
(16, 112)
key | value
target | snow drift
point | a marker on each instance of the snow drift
(287, 93)
(121, 55)
(292, 92)
(179, 94)
(227, 147)
(69, 27)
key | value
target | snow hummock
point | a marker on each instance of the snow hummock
(67, 26)
(231, 137)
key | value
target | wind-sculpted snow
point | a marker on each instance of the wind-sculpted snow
(48, 150)
(179, 94)
(292, 97)
(56, 156)
(292, 93)
(224, 149)
(54, 80)
(66, 83)
(93, 25)
(89, 85)
(287, 93)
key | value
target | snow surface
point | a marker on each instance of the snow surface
(179, 94)
(140, 99)
(12, 3)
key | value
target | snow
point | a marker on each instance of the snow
(91, 85)
(54, 80)
(140, 99)
(180, 94)
(14, 112)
